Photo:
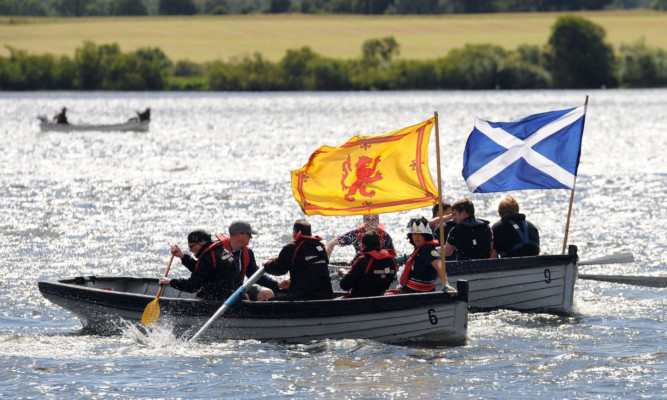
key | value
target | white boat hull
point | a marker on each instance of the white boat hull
(528, 284)
(130, 126)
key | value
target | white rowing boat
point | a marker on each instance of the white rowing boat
(101, 303)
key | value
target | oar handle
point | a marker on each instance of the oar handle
(159, 292)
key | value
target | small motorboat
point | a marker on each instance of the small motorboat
(134, 124)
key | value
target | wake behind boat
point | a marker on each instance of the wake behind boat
(134, 125)
(101, 303)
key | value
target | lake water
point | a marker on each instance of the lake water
(112, 203)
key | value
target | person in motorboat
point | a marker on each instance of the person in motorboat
(471, 238)
(372, 271)
(240, 233)
(424, 266)
(307, 262)
(61, 117)
(513, 236)
(214, 274)
(144, 116)
(353, 237)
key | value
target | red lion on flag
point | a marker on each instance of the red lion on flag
(365, 175)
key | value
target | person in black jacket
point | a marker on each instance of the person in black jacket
(513, 236)
(372, 271)
(214, 275)
(447, 218)
(306, 260)
(61, 117)
(144, 116)
(471, 238)
(240, 233)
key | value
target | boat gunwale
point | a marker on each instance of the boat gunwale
(69, 289)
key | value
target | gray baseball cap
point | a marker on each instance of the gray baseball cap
(241, 227)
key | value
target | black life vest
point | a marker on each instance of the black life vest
(522, 231)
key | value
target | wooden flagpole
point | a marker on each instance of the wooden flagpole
(440, 210)
(569, 211)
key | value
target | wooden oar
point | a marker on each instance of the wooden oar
(652, 281)
(152, 311)
(619, 258)
(230, 301)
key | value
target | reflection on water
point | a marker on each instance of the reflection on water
(112, 204)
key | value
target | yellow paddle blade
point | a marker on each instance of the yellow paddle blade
(151, 313)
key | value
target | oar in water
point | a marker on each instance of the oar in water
(620, 258)
(230, 301)
(652, 281)
(152, 311)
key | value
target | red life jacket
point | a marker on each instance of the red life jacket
(405, 276)
(246, 257)
(360, 234)
(378, 255)
(206, 250)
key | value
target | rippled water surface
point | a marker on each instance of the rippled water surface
(111, 204)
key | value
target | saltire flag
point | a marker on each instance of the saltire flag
(539, 151)
(368, 174)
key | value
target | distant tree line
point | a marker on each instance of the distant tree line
(78, 8)
(576, 56)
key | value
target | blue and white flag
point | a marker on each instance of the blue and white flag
(539, 151)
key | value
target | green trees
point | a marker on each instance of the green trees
(94, 67)
(576, 57)
(23, 7)
(128, 7)
(579, 57)
(177, 7)
(641, 66)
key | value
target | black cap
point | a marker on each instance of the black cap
(199, 235)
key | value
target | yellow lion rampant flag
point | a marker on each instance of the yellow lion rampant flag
(368, 175)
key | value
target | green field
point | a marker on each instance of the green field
(206, 38)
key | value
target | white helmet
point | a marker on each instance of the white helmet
(418, 227)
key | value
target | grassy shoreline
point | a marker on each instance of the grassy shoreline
(207, 38)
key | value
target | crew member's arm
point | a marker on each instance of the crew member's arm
(445, 284)
(355, 273)
(330, 246)
(449, 249)
(198, 277)
(281, 264)
(265, 280)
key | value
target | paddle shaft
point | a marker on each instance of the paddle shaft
(619, 258)
(159, 292)
(651, 281)
(230, 301)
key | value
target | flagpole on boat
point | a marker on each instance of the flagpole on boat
(440, 210)
(569, 211)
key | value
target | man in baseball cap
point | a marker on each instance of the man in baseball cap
(240, 233)
(241, 227)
